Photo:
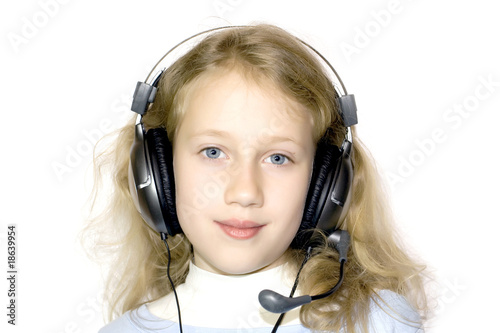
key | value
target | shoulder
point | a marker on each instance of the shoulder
(139, 320)
(121, 324)
(143, 321)
(391, 312)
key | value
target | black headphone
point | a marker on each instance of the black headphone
(151, 178)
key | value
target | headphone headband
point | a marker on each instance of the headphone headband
(146, 91)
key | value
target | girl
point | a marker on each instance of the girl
(247, 111)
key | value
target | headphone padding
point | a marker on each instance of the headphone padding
(324, 165)
(160, 151)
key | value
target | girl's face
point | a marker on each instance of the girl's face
(243, 156)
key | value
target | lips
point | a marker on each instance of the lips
(240, 229)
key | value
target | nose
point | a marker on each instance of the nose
(245, 187)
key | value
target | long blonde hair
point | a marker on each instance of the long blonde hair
(376, 259)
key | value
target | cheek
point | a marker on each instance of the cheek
(290, 188)
(196, 191)
(288, 199)
(188, 202)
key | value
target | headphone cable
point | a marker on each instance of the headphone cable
(164, 239)
(306, 258)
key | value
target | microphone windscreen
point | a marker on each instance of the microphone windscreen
(276, 303)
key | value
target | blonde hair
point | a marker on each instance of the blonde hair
(376, 259)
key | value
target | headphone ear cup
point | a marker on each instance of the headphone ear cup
(160, 152)
(323, 167)
(328, 191)
(336, 196)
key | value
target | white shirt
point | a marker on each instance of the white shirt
(212, 302)
(233, 300)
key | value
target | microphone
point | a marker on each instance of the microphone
(276, 303)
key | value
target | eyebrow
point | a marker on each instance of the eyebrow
(212, 132)
(264, 138)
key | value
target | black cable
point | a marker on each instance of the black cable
(295, 284)
(164, 239)
(337, 286)
(315, 297)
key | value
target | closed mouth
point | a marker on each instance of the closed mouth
(240, 229)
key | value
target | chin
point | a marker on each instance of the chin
(235, 265)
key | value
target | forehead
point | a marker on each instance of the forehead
(229, 100)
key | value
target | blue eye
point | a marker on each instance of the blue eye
(213, 153)
(277, 159)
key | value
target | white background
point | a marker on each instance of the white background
(68, 69)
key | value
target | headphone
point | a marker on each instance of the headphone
(151, 177)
